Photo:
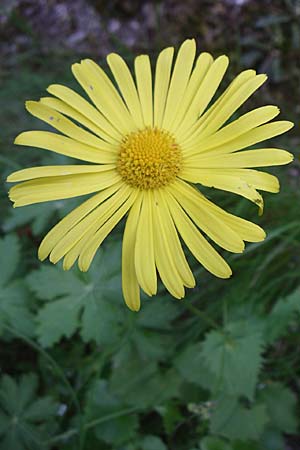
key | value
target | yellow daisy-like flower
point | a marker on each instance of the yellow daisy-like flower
(148, 142)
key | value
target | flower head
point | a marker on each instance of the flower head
(147, 143)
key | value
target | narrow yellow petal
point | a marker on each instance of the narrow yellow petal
(104, 95)
(204, 94)
(82, 232)
(259, 180)
(164, 257)
(79, 104)
(143, 75)
(67, 146)
(230, 181)
(248, 158)
(130, 286)
(64, 125)
(53, 171)
(204, 62)
(64, 108)
(71, 219)
(237, 128)
(197, 244)
(175, 246)
(127, 87)
(179, 80)
(193, 133)
(88, 253)
(61, 187)
(231, 105)
(248, 231)
(162, 81)
(144, 260)
(247, 139)
(196, 207)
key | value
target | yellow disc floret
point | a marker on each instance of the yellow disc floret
(149, 158)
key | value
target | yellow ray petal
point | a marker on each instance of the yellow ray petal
(143, 75)
(104, 95)
(179, 80)
(247, 139)
(204, 62)
(197, 244)
(144, 260)
(127, 87)
(204, 94)
(248, 158)
(230, 181)
(79, 104)
(237, 128)
(130, 286)
(67, 146)
(259, 180)
(62, 107)
(65, 126)
(175, 246)
(53, 171)
(71, 219)
(88, 253)
(247, 231)
(60, 187)
(80, 235)
(204, 217)
(231, 105)
(164, 257)
(193, 133)
(161, 85)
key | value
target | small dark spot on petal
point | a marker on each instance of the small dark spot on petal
(51, 118)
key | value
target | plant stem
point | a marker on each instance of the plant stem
(202, 315)
(59, 372)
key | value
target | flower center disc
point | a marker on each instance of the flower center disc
(149, 158)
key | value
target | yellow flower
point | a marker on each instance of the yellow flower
(148, 142)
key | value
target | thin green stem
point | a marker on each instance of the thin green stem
(94, 423)
(202, 315)
(57, 368)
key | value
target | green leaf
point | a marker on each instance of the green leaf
(213, 443)
(152, 443)
(234, 421)
(102, 402)
(158, 314)
(50, 282)
(91, 304)
(271, 440)
(14, 310)
(280, 317)
(234, 357)
(58, 319)
(128, 382)
(281, 407)
(9, 257)
(190, 364)
(25, 419)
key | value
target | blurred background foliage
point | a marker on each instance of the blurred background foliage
(217, 371)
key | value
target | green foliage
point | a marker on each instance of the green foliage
(235, 421)
(89, 304)
(281, 406)
(234, 357)
(14, 309)
(26, 420)
(164, 378)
